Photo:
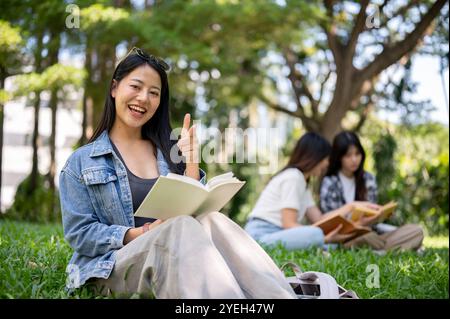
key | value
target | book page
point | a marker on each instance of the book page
(185, 179)
(220, 179)
(360, 211)
(219, 196)
(383, 213)
(387, 211)
(171, 197)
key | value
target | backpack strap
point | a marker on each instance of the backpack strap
(347, 294)
(328, 285)
(295, 268)
(329, 289)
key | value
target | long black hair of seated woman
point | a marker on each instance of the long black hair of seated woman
(158, 128)
(309, 151)
(341, 145)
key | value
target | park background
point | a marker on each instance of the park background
(379, 68)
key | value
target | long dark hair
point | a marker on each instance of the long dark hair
(341, 145)
(158, 128)
(310, 150)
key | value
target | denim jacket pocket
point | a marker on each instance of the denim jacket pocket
(100, 182)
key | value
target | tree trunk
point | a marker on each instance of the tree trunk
(83, 137)
(2, 85)
(99, 68)
(331, 123)
(106, 60)
(86, 122)
(52, 168)
(95, 95)
(53, 59)
(37, 102)
(34, 144)
(342, 97)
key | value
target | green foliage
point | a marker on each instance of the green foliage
(9, 36)
(37, 205)
(97, 14)
(4, 96)
(54, 77)
(383, 153)
(423, 196)
(243, 202)
(11, 44)
(411, 165)
(33, 259)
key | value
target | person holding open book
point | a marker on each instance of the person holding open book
(278, 216)
(104, 182)
(347, 181)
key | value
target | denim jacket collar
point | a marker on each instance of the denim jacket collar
(102, 146)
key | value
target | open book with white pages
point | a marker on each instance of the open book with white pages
(175, 195)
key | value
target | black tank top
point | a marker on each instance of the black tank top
(139, 189)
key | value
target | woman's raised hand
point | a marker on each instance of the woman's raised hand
(367, 220)
(367, 205)
(188, 146)
(188, 143)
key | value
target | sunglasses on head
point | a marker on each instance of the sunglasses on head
(148, 57)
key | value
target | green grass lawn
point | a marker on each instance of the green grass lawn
(33, 259)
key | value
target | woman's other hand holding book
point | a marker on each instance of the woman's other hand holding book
(134, 233)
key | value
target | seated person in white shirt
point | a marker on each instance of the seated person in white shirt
(286, 200)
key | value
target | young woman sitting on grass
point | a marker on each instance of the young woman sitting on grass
(104, 182)
(347, 181)
(278, 216)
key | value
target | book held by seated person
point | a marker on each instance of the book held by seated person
(350, 226)
(330, 223)
(174, 195)
(383, 213)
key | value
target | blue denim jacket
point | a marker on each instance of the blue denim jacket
(97, 208)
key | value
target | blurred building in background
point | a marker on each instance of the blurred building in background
(18, 130)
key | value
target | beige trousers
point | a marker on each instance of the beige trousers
(205, 257)
(406, 237)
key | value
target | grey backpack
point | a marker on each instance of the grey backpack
(316, 285)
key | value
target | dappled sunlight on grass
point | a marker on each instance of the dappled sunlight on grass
(436, 242)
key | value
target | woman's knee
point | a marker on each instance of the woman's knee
(212, 216)
(415, 230)
(169, 224)
(311, 236)
(296, 238)
(177, 232)
(180, 225)
(184, 221)
(316, 235)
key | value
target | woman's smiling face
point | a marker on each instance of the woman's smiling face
(137, 96)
